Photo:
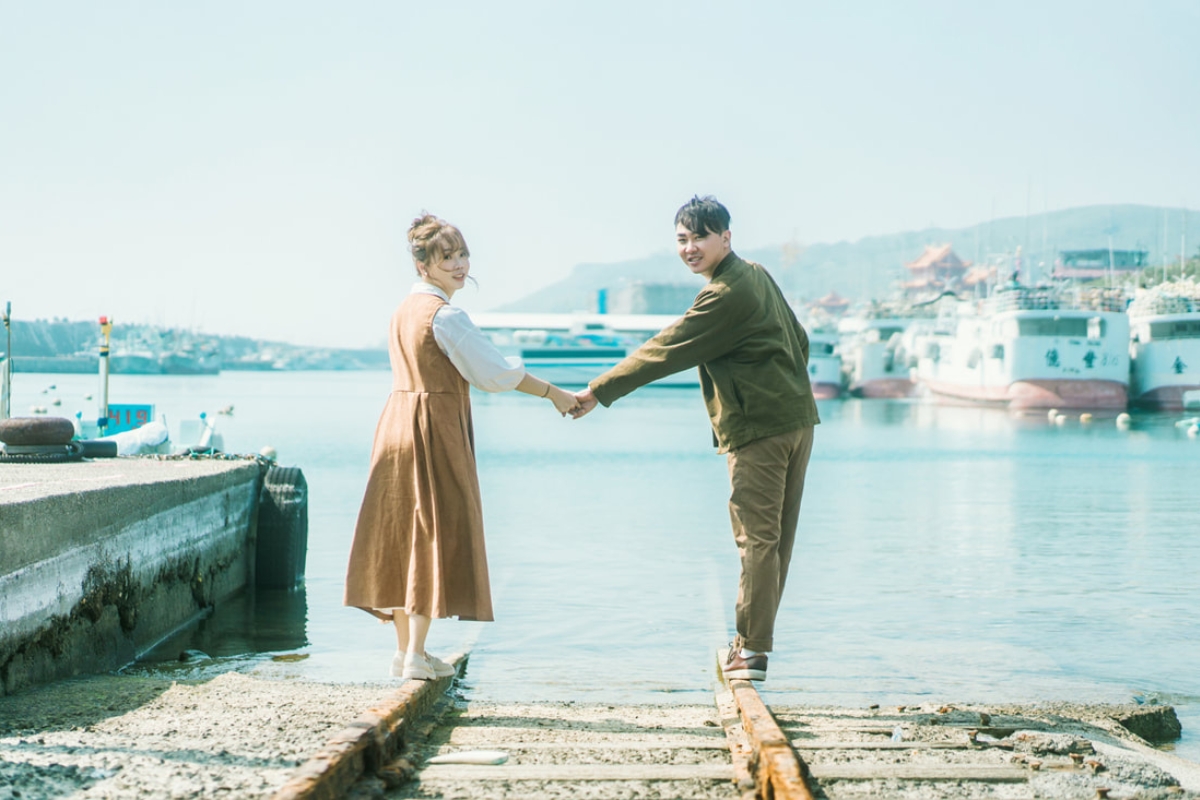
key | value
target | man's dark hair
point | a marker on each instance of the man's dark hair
(703, 215)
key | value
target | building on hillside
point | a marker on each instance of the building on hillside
(832, 304)
(936, 270)
(1092, 264)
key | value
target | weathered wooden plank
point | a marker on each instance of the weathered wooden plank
(365, 744)
(831, 744)
(990, 773)
(576, 772)
(665, 743)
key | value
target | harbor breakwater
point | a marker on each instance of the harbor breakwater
(100, 560)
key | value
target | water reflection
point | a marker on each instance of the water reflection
(252, 622)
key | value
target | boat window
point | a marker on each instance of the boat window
(1177, 329)
(1095, 328)
(1051, 326)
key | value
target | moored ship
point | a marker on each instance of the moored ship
(1164, 347)
(190, 361)
(824, 365)
(874, 368)
(1028, 348)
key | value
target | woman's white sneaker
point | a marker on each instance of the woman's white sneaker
(417, 668)
(440, 668)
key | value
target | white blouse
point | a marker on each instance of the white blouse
(469, 349)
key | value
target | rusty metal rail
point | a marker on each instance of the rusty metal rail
(765, 763)
(366, 745)
(675, 750)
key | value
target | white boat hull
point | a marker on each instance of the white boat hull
(824, 366)
(870, 352)
(1165, 354)
(1030, 359)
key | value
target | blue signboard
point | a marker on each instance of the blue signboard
(125, 417)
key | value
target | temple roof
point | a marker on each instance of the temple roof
(830, 301)
(939, 256)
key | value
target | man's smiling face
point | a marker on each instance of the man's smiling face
(702, 252)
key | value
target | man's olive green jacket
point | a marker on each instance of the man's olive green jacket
(751, 351)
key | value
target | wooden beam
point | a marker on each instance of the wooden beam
(665, 743)
(988, 773)
(830, 744)
(576, 772)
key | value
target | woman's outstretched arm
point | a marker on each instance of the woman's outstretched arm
(564, 401)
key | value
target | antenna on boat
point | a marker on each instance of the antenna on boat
(1111, 267)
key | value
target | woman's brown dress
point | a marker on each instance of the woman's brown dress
(418, 544)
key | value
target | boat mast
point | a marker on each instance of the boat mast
(1110, 262)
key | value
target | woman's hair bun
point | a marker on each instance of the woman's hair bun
(424, 227)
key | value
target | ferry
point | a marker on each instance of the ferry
(1027, 348)
(1164, 347)
(570, 350)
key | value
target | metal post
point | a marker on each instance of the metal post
(6, 366)
(102, 420)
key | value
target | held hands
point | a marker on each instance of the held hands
(585, 400)
(564, 402)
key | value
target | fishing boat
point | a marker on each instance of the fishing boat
(1027, 348)
(1164, 347)
(135, 362)
(869, 344)
(191, 361)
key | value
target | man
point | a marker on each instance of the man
(753, 360)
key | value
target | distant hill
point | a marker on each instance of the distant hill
(870, 267)
(61, 345)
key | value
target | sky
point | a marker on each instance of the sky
(252, 168)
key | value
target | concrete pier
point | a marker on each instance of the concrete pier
(101, 559)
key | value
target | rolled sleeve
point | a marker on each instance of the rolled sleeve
(473, 354)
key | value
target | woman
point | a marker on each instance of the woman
(418, 550)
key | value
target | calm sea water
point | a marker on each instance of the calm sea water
(945, 554)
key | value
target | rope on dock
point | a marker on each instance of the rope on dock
(368, 743)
